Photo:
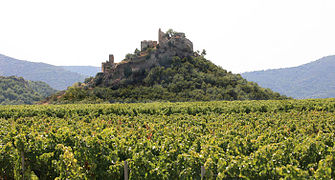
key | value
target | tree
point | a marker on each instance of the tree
(203, 53)
(170, 32)
(137, 52)
(127, 71)
(129, 56)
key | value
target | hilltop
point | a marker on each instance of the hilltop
(167, 70)
(16, 90)
(311, 80)
(57, 77)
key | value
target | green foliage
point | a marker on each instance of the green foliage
(187, 79)
(14, 90)
(67, 165)
(170, 32)
(203, 53)
(137, 52)
(129, 56)
(286, 139)
(127, 71)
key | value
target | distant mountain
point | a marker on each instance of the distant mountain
(16, 90)
(83, 70)
(57, 77)
(311, 80)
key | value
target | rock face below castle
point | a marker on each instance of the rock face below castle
(152, 54)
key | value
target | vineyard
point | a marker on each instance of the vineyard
(292, 139)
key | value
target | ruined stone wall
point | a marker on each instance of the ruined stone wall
(111, 58)
(177, 45)
(161, 36)
(103, 67)
(107, 67)
(148, 44)
(139, 64)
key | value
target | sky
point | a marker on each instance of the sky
(238, 35)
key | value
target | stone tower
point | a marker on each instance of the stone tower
(111, 58)
(108, 65)
(160, 36)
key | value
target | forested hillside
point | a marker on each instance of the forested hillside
(194, 79)
(16, 90)
(311, 80)
(169, 71)
(57, 77)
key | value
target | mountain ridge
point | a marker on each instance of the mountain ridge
(309, 80)
(57, 77)
(87, 71)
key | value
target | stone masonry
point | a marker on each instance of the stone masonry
(168, 46)
(148, 44)
(108, 65)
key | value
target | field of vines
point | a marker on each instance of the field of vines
(289, 139)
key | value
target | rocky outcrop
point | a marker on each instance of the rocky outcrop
(133, 68)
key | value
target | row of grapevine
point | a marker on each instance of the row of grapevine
(241, 139)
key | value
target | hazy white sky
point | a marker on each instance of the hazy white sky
(239, 35)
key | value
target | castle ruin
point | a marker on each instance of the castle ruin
(108, 65)
(175, 40)
(161, 36)
(148, 44)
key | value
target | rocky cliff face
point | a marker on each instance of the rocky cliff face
(133, 68)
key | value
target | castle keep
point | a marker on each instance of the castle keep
(108, 65)
(152, 53)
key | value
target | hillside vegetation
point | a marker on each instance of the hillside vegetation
(286, 139)
(57, 77)
(169, 71)
(312, 80)
(187, 79)
(14, 90)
